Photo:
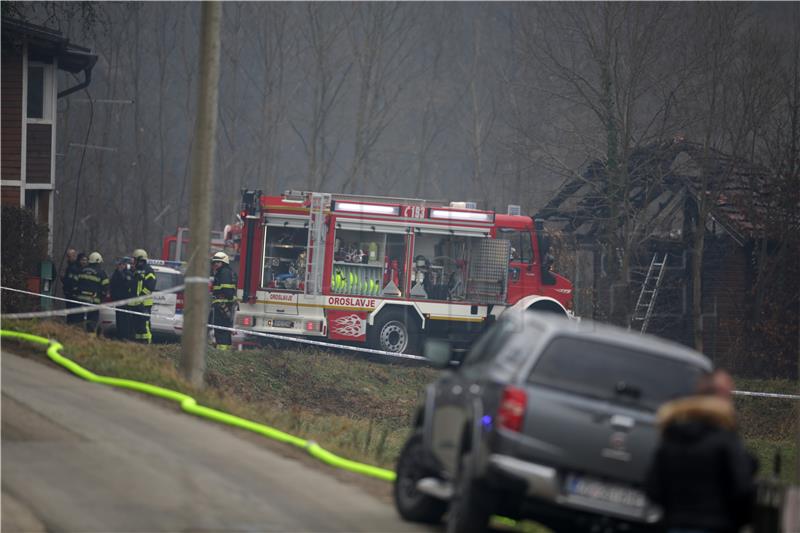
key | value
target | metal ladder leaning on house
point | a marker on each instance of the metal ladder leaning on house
(316, 242)
(647, 297)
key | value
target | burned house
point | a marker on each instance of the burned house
(650, 215)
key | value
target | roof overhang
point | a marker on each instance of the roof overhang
(48, 43)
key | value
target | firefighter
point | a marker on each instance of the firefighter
(122, 287)
(92, 288)
(144, 285)
(69, 283)
(223, 300)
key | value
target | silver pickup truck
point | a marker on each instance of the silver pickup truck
(545, 418)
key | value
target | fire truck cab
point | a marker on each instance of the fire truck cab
(387, 272)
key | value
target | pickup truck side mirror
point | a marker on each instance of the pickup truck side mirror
(439, 352)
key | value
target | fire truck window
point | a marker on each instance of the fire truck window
(439, 267)
(285, 258)
(368, 263)
(521, 249)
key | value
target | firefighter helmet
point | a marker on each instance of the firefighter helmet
(221, 256)
(139, 254)
(95, 257)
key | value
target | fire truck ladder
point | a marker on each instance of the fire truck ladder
(316, 243)
(647, 298)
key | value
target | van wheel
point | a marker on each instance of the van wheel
(412, 504)
(471, 506)
(395, 331)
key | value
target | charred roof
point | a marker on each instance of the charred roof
(658, 182)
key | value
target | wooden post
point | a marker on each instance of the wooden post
(193, 344)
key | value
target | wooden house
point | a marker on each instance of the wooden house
(31, 58)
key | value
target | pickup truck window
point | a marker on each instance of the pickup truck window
(613, 373)
(489, 344)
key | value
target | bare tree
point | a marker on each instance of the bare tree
(325, 73)
(603, 66)
(480, 115)
(432, 124)
(274, 49)
(714, 56)
(380, 39)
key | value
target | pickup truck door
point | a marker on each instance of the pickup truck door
(455, 396)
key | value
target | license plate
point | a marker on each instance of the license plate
(603, 491)
(163, 310)
(282, 324)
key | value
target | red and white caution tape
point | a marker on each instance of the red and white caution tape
(115, 306)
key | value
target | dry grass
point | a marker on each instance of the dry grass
(356, 407)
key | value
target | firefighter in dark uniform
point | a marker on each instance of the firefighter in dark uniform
(69, 282)
(223, 302)
(92, 288)
(144, 285)
(122, 287)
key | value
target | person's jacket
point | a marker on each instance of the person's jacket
(92, 284)
(70, 279)
(701, 474)
(145, 282)
(122, 284)
(223, 288)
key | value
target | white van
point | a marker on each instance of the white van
(166, 316)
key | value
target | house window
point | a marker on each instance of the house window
(40, 84)
(30, 199)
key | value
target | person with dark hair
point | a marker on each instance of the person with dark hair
(69, 284)
(123, 287)
(701, 474)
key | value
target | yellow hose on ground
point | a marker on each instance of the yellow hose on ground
(191, 406)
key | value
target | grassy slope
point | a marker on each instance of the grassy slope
(770, 424)
(353, 406)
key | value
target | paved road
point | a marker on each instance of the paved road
(84, 457)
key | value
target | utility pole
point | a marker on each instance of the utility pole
(193, 343)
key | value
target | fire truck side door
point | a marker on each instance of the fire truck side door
(522, 276)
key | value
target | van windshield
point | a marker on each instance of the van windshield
(613, 373)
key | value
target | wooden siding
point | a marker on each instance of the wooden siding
(725, 298)
(11, 112)
(10, 196)
(37, 166)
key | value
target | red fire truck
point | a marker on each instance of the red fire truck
(387, 271)
(174, 247)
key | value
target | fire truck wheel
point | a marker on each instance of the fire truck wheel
(395, 331)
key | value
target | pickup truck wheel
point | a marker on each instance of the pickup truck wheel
(412, 504)
(471, 506)
(395, 331)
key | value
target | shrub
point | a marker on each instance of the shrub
(23, 248)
